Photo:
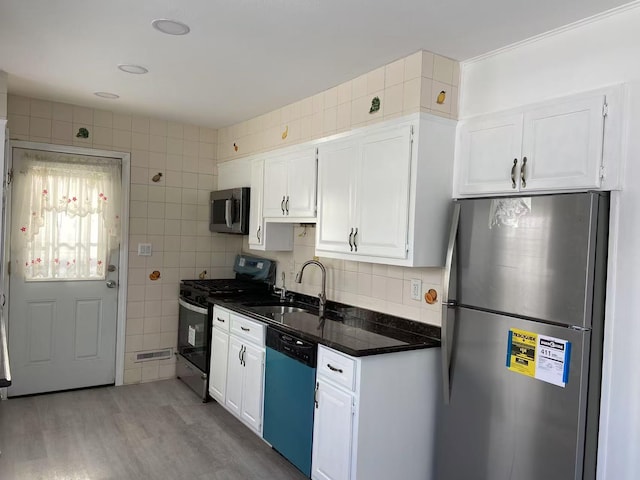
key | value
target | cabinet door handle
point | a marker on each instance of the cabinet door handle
(244, 350)
(334, 369)
(220, 319)
(245, 329)
(355, 241)
(513, 173)
(351, 240)
(282, 205)
(258, 234)
(286, 205)
(240, 354)
(315, 394)
(523, 173)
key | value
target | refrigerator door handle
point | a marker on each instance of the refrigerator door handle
(446, 331)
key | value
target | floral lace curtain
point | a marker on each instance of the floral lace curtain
(66, 215)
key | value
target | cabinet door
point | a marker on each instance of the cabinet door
(563, 145)
(275, 187)
(301, 184)
(332, 432)
(382, 198)
(488, 150)
(235, 371)
(336, 194)
(253, 383)
(218, 370)
(256, 228)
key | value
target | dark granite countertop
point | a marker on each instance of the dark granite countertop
(352, 330)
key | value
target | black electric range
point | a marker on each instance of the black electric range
(254, 276)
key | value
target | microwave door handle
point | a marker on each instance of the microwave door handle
(228, 212)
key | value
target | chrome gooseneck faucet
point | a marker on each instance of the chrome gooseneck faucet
(322, 296)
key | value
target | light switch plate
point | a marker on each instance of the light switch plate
(144, 249)
(416, 289)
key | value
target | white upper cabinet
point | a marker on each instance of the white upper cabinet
(489, 154)
(385, 160)
(290, 185)
(336, 195)
(557, 145)
(263, 235)
(384, 192)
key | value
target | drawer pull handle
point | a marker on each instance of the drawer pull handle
(220, 319)
(334, 369)
(244, 329)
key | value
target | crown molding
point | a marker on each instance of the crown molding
(552, 33)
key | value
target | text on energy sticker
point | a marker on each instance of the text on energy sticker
(539, 356)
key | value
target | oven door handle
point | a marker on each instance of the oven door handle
(193, 308)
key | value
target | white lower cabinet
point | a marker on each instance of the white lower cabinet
(219, 354)
(375, 416)
(332, 432)
(237, 366)
(218, 370)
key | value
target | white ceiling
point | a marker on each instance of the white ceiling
(245, 57)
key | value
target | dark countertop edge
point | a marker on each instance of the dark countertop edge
(421, 340)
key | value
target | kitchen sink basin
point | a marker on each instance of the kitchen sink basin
(276, 309)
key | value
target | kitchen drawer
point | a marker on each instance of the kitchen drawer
(221, 318)
(248, 329)
(336, 367)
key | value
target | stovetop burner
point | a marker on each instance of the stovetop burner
(253, 275)
(224, 286)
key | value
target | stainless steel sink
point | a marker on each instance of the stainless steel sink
(276, 309)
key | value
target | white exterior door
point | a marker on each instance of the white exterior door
(62, 328)
(218, 370)
(383, 193)
(5, 213)
(332, 432)
(489, 155)
(336, 195)
(252, 394)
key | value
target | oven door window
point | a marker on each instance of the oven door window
(192, 334)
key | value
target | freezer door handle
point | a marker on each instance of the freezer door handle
(446, 331)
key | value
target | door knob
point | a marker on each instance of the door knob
(111, 283)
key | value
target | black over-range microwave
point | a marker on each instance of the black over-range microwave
(230, 211)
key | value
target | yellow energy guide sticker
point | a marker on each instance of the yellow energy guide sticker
(521, 352)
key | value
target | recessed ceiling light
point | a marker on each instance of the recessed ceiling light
(110, 96)
(137, 69)
(171, 27)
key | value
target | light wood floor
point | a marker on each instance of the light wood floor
(156, 431)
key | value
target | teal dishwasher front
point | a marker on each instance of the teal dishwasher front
(290, 376)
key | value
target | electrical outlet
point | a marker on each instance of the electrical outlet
(144, 249)
(416, 289)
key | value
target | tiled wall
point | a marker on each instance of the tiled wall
(408, 85)
(383, 288)
(171, 214)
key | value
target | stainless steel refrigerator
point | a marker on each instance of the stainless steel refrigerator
(522, 335)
